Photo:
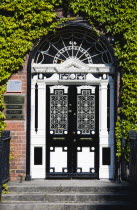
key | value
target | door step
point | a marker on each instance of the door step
(66, 197)
(67, 206)
(79, 195)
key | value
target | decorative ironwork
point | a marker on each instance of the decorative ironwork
(86, 111)
(76, 44)
(4, 157)
(58, 111)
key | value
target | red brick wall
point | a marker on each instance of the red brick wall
(18, 131)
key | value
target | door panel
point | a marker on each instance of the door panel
(72, 131)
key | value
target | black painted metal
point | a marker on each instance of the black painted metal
(127, 171)
(133, 156)
(4, 157)
(28, 126)
(72, 140)
(83, 24)
(36, 107)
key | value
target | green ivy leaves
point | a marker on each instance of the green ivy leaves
(22, 22)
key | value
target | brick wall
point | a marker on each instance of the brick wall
(18, 130)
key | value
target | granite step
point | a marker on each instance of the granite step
(65, 197)
(113, 205)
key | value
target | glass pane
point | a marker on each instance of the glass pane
(58, 112)
(37, 155)
(85, 110)
(106, 160)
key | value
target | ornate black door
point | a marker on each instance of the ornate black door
(72, 125)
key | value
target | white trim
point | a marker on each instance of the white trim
(105, 139)
(86, 87)
(38, 139)
(72, 65)
(52, 88)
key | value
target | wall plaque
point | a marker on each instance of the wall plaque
(13, 111)
(14, 107)
(14, 86)
(14, 99)
(14, 117)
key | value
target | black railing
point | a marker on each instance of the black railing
(133, 165)
(133, 157)
(4, 157)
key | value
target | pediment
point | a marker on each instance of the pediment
(72, 65)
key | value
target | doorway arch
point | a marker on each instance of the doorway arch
(72, 60)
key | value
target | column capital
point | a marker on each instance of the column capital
(104, 83)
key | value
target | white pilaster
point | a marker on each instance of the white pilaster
(103, 133)
(106, 140)
(103, 109)
(38, 138)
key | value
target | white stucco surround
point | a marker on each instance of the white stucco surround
(72, 66)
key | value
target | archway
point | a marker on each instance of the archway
(72, 106)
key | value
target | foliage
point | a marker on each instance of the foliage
(22, 22)
(5, 189)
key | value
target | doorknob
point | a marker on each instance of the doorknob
(74, 140)
(74, 113)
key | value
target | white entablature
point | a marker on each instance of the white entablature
(72, 65)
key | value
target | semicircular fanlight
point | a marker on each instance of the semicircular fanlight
(73, 43)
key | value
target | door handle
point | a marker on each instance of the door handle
(74, 140)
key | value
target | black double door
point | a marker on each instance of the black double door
(72, 136)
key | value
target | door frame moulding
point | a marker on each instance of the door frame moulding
(90, 73)
(106, 139)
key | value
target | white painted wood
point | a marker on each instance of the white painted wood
(58, 159)
(105, 140)
(79, 88)
(52, 88)
(72, 65)
(38, 138)
(103, 108)
(105, 171)
(85, 159)
(37, 171)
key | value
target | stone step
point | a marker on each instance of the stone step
(65, 197)
(67, 188)
(67, 206)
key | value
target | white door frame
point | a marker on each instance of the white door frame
(106, 139)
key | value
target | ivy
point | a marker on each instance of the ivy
(22, 22)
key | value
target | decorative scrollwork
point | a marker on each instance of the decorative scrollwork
(73, 44)
(58, 112)
(73, 76)
(85, 111)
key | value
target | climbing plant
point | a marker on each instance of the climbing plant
(22, 22)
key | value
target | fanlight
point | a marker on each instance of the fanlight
(72, 43)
